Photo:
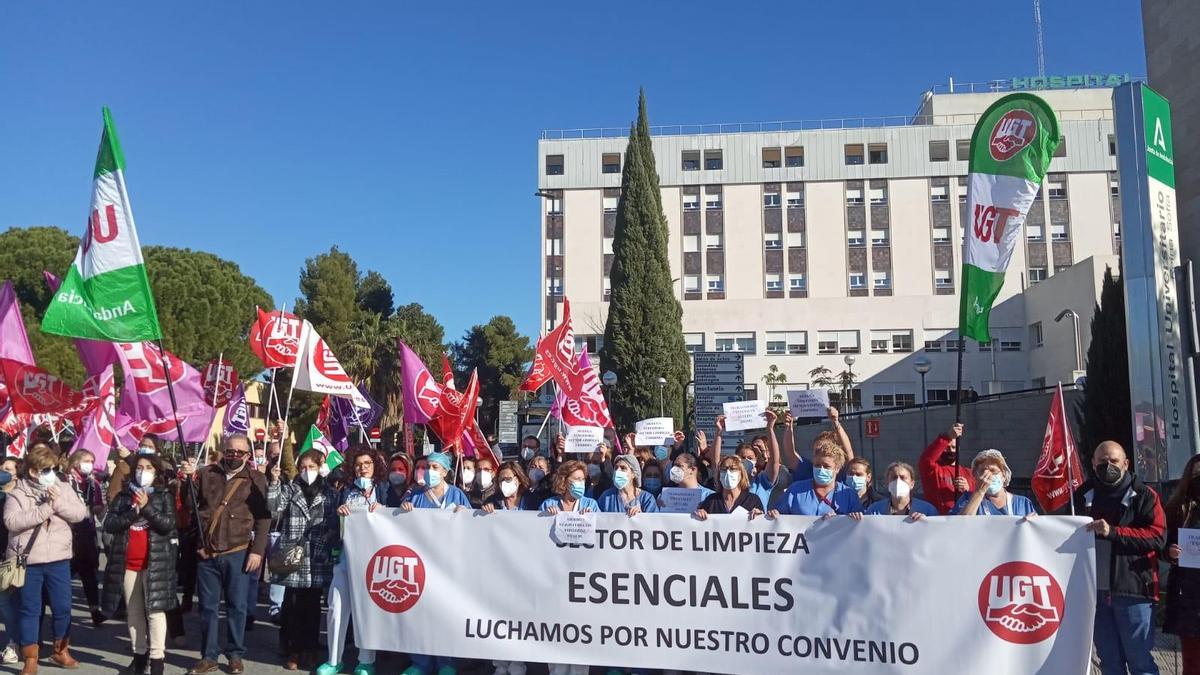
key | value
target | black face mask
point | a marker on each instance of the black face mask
(1109, 474)
(1194, 486)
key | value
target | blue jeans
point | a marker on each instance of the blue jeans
(1124, 635)
(252, 581)
(223, 575)
(10, 613)
(431, 664)
(275, 593)
(55, 577)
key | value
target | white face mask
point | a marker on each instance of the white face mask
(323, 470)
(310, 475)
(898, 489)
(48, 479)
(485, 479)
(145, 478)
(86, 468)
(677, 474)
(468, 476)
(509, 487)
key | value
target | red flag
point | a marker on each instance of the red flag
(555, 353)
(1057, 462)
(447, 373)
(584, 403)
(456, 413)
(219, 381)
(32, 390)
(323, 414)
(275, 338)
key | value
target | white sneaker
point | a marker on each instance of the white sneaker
(10, 654)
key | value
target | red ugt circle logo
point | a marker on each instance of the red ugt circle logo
(1021, 603)
(395, 578)
(1013, 131)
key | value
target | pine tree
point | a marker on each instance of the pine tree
(643, 337)
(1106, 406)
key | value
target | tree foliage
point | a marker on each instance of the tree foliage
(499, 353)
(1105, 409)
(375, 294)
(329, 283)
(643, 336)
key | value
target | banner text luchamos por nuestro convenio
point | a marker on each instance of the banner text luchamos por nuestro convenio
(692, 591)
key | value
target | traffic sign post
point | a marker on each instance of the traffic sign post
(719, 378)
(507, 432)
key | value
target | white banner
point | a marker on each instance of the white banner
(726, 595)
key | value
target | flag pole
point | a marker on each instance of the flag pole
(166, 361)
(962, 342)
(300, 354)
(1068, 448)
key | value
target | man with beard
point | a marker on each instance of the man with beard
(941, 480)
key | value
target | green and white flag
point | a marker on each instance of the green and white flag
(317, 441)
(106, 295)
(1010, 152)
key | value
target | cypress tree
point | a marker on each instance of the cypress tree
(643, 336)
(1106, 402)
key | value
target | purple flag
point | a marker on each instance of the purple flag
(146, 404)
(14, 343)
(422, 393)
(344, 416)
(98, 432)
(237, 413)
(95, 355)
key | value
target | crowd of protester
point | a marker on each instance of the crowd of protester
(244, 515)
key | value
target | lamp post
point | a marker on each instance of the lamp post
(609, 380)
(662, 411)
(922, 365)
(848, 393)
(1075, 327)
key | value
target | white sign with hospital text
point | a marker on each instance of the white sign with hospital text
(584, 439)
(742, 415)
(808, 402)
(655, 431)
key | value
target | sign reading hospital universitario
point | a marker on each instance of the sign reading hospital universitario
(1150, 255)
(794, 594)
(106, 295)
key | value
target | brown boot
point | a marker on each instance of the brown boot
(61, 657)
(30, 654)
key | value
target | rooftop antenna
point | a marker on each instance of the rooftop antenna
(1041, 50)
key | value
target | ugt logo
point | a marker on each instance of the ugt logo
(991, 221)
(101, 231)
(327, 364)
(1013, 131)
(1021, 603)
(395, 578)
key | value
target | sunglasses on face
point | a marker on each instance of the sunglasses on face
(236, 454)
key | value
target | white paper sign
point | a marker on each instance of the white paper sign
(584, 439)
(573, 527)
(680, 500)
(655, 431)
(1189, 547)
(808, 402)
(742, 415)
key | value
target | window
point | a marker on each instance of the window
(939, 193)
(1038, 382)
(554, 247)
(854, 196)
(691, 283)
(791, 342)
(986, 347)
(1034, 232)
(893, 396)
(795, 196)
(593, 343)
(795, 239)
(857, 280)
(879, 237)
(693, 342)
(610, 204)
(712, 199)
(1035, 334)
(691, 243)
(797, 282)
(881, 280)
(933, 346)
(1114, 186)
(793, 156)
(1058, 232)
(854, 237)
(941, 278)
(610, 162)
(554, 165)
(607, 287)
(941, 235)
(837, 342)
(554, 286)
(771, 200)
(1112, 145)
(879, 195)
(716, 282)
(691, 160)
(962, 149)
(1056, 187)
(712, 160)
(770, 158)
(1116, 228)
(854, 154)
(877, 153)
(735, 342)
(608, 245)
(723, 344)
(1061, 150)
(554, 206)
(691, 202)
(1037, 274)
(774, 282)
(713, 242)
(939, 151)
(1010, 345)
(773, 240)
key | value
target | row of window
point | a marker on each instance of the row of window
(780, 343)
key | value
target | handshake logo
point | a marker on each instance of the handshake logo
(1021, 603)
(395, 578)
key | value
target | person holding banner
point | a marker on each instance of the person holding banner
(734, 493)
(539, 481)
(141, 567)
(465, 478)
(400, 471)
(513, 491)
(900, 501)
(991, 496)
(685, 473)
(437, 493)
(85, 556)
(306, 510)
(823, 495)
(1183, 583)
(569, 485)
(626, 495)
(485, 482)
(943, 480)
(858, 476)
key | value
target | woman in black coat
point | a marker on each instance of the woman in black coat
(142, 561)
(1183, 583)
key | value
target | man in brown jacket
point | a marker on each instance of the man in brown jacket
(235, 522)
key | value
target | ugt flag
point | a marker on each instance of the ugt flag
(1057, 473)
(1011, 149)
(318, 369)
(106, 295)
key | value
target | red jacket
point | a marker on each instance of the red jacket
(937, 479)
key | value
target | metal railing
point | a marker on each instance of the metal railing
(997, 86)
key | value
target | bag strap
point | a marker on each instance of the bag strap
(216, 516)
(29, 546)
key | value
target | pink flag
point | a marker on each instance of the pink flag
(422, 393)
(146, 404)
(95, 355)
(98, 432)
(14, 343)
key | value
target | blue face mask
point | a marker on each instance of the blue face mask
(749, 467)
(621, 479)
(822, 476)
(363, 483)
(995, 486)
(653, 485)
(661, 452)
(577, 488)
(859, 483)
(432, 478)
(5, 478)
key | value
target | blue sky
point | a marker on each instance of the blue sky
(406, 133)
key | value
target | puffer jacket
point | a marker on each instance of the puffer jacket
(162, 554)
(1182, 616)
(28, 506)
(315, 526)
